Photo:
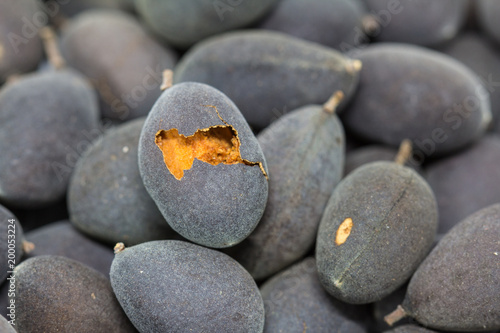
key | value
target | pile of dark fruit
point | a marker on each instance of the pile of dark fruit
(250, 166)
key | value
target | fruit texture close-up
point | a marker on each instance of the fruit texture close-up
(223, 166)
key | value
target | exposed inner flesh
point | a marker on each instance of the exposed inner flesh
(213, 145)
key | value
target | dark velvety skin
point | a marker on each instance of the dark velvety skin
(183, 23)
(212, 205)
(422, 22)
(409, 92)
(62, 239)
(57, 294)
(267, 74)
(483, 57)
(19, 52)
(466, 182)
(175, 286)
(5, 327)
(106, 197)
(11, 233)
(394, 217)
(487, 16)
(410, 329)
(44, 119)
(124, 63)
(295, 301)
(457, 287)
(333, 23)
(305, 155)
(372, 153)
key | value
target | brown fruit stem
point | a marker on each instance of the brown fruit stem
(119, 247)
(28, 247)
(395, 316)
(168, 79)
(353, 66)
(331, 105)
(404, 153)
(49, 39)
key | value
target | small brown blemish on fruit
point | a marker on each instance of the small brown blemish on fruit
(343, 231)
(213, 145)
(92, 295)
(2, 51)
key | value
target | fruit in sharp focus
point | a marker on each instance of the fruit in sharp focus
(378, 226)
(106, 197)
(195, 289)
(457, 287)
(57, 294)
(305, 155)
(203, 166)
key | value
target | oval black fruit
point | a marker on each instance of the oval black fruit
(106, 197)
(62, 239)
(268, 73)
(333, 23)
(46, 122)
(378, 226)
(57, 294)
(175, 286)
(203, 166)
(305, 155)
(183, 23)
(123, 62)
(457, 287)
(295, 301)
(412, 92)
(422, 22)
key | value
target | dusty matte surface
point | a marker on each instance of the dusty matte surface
(267, 74)
(57, 294)
(106, 197)
(305, 154)
(123, 62)
(394, 215)
(62, 239)
(195, 289)
(296, 302)
(46, 121)
(212, 205)
(457, 287)
(410, 92)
